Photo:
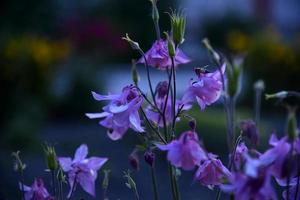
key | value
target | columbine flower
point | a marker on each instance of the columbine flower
(160, 98)
(121, 113)
(249, 129)
(158, 56)
(36, 191)
(277, 155)
(255, 183)
(241, 150)
(184, 152)
(82, 170)
(211, 171)
(206, 89)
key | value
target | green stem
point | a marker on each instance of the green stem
(154, 183)
(53, 182)
(171, 175)
(22, 184)
(174, 97)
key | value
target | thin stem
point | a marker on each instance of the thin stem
(53, 182)
(157, 30)
(61, 190)
(73, 187)
(22, 183)
(258, 93)
(174, 96)
(171, 175)
(154, 183)
(148, 76)
(151, 126)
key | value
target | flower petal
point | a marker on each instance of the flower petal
(135, 121)
(97, 115)
(96, 163)
(65, 163)
(81, 153)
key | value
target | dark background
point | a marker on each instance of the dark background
(53, 53)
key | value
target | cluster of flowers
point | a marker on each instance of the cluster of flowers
(248, 174)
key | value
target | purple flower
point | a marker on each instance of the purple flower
(36, 191)
(254, 183)
(184, 152)
(292, 191)
(82, 170)
(160, 98)
(277, 155)
(206, 89)
(121, 113)
(240, 152)
(211, 171)
(158, 56)
(249, 129)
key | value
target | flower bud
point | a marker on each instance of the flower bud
(171, 48)
(259, 85)
(60, 176)
(234, 78)
(178, 23)
(134, 45)
(212, 52)
(249, 130)
(278, 95)
(18, 164)
(162, 89)
(134, 73)
(149, 158)
(51, 159)
(134, 160)
(192, 124)
(292, 125)
(105, 182)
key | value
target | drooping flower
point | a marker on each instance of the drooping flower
(184, 152)
(239, 155)
(249, 129)
(278, 155)
(160, 98)
(159, 58)
(211, 171)
(206, 89)
(121, 113)
(36, 191)
(254, 183)
(82, 170)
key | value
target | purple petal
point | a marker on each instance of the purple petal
(117, 108)
(96, 163)
(100, 97)
(87, 182)
(65, 163)
(97, 115)
(81, 153)
(135, 121)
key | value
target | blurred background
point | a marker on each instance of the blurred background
(53, 53)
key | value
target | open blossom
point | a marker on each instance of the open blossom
(206, 89)
(121, 113)
(82, 170)
(254, 183)
(36, 191)
(160, 98)
(278, 155)
(158, 56)
(184, 152)
(211, 171)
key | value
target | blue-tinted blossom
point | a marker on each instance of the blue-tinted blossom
(81, 169)
(36, 191)
(249, 130)
(239, 155)
(254, 183)
(211, 172)
(158, 56)
(206, 89)
(184, 152)
(160, 98)
(121, 113)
